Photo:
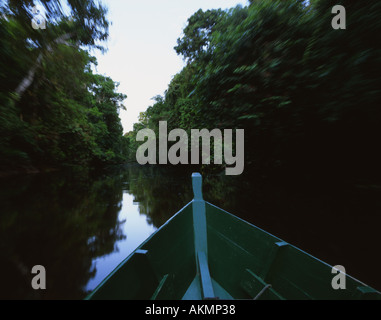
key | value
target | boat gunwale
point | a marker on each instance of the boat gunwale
(124, 261)
(277, 239)
(290, 245)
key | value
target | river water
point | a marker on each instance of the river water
(80, 225)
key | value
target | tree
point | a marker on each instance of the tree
(85, 24)
(196, 34)
(306, 94)
(54, 109)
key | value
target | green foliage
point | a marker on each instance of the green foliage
(54, 109)
(307, 95)
(196, 35)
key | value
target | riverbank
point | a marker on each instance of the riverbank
(9, 171)
(25, 170)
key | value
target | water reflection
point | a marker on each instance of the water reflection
(60, 221)
(135, 228)
(81, 225)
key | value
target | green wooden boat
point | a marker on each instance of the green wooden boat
(206, 253)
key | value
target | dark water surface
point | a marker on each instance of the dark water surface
(81, 225)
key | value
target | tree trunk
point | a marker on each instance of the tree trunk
(28, 80)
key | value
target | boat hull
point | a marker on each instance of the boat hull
(241, 262)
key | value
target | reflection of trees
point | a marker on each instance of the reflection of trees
(159, 192)
(65, 221)
(60, 221)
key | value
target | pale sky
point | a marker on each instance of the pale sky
(140, 48)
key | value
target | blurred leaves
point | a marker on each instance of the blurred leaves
(54, 109)
(308, 96)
